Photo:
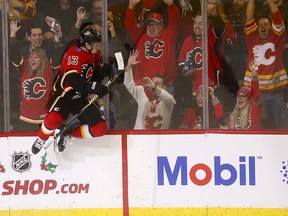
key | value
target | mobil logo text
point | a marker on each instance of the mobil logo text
(220, 173)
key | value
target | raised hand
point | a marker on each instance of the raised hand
(272, 5)
(132, 58)
(147, 82)
(55, 25)
(111, 29)
(253, 66)
(81, 13)
(14, 28)
(211, 91)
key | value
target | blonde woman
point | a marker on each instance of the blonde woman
(214, 8)
(247, 111)
(35, 85)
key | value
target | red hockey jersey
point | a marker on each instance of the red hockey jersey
(268, 55)
(156, 55)
(193, 51)
(74, 61)
(34, 94)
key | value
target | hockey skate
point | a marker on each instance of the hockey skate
(37, 146)
(64, 140)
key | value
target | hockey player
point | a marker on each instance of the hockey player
(78, 79)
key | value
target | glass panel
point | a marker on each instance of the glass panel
(152, 28)
(188, 112)
(263, 49)
(175, 53)
(1, 77)
(39, 33)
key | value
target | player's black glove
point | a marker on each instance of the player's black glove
(104, 69)
(101, 71)
(99, 89)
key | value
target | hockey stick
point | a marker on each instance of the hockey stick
(109, 85)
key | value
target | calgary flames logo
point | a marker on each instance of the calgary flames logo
(154, 49)
(87, 71)
(195, 56)
(34, 88)
(153, 123)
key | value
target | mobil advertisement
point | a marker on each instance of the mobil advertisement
(180, 168)
(210, 170)
(75, 178)
(130, 173)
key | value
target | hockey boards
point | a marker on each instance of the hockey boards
(109, 85)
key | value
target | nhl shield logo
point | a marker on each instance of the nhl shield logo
(21, 161)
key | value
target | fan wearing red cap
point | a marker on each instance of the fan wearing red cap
(154, 24)
(247, 111)
(156, 17)
(155, 41)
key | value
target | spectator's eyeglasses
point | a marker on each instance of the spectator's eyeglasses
(153, 24)
(242, 96)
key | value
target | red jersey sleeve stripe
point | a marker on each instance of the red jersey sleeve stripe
(250, 27)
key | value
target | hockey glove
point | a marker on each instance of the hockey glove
(99, 89)
(101, 71)
(104, 69)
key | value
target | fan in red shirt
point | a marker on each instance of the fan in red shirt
(193, 117)
(265, 41)
(156, 42)
(35, 85)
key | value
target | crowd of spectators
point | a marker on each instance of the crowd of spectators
(166, 38)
